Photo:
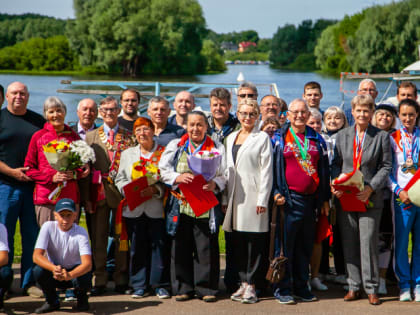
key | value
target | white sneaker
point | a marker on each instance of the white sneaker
(382, 286)
(405, 295)
(249, 297)
(316, 284)
(237, 296)
(417, 293)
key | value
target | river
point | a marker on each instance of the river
(290, 85)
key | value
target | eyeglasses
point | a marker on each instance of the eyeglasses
(296, 113)
(367, 90)
(109, 110)
(270, 104)
(142, 130)
(245, 115)
(247, 95)
(283, 113)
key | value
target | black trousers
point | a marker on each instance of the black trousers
(195, 258)
(249, 254)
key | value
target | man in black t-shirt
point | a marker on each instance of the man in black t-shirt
(17, 125)
(130, 100)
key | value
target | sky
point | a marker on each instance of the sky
(223, 16)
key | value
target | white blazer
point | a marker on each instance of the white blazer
(250, 180)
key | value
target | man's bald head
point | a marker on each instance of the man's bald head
(17, 97)
(87, 111)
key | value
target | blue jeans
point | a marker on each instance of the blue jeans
(298, 236)
(406, 221)
(49, 285)
(16, 202)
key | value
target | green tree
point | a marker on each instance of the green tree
(145, 36)
(214, 60)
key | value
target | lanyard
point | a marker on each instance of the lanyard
(358, 149)
(410, 144)
(190, 148)
(303, 151)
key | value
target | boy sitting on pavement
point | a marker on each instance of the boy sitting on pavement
(6, 273)
(68, 262)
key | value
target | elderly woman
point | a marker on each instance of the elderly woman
(250, 176)
(385, 117)
(195, 249)
(145, 223)
(365, 148)
(405, 143)
(47, 179)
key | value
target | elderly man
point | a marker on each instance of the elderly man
(269, 107)
(301, 175)
(247, 90)
(1, 95)
(102, 197)
(312, 95)
(158, 112)
(130, 100)
(366, 86)
(17, 125)
(87, 112)
(183, 104)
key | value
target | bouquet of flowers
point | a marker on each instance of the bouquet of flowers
(205, 163)
(63, 156)
(146, 168)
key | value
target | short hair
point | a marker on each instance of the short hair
(268, 95)
(335, 110)
(52, 102)
(249, 102)
(283, 104)
(312, 85)
(407, 85)
(248, 85)
(315, 113)
(270, 121)
(158, 99)
(221, 94)
(366, 81)
(131, 90)
(198, 113)
(78, 105)
(2, 91)
(143, 121)
(192, 96)
(296, 100)
(107, 100)
(394, 118)
(363, 100)
(409, 102)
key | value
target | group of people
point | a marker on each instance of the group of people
(273, 157)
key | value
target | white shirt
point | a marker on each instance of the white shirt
(82, 132)
(4, 245)
(63, 248)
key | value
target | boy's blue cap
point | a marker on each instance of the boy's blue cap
(65, 204)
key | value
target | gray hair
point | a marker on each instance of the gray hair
(158, 99)
(336, 110)
(198, 113)
(248, 85)
(53, 102)
(298, 100)
(363, 100)
(366, 81)
(315, 113)
(85, 99)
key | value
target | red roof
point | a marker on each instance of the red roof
(247, 44)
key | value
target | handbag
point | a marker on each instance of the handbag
(278, 265)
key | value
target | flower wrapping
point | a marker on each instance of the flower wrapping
(354, 178)
(205, 163)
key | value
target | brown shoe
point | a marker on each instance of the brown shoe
(352, 296)
(182, 297)
(374, 299)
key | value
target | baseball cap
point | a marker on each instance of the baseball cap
(65, 204)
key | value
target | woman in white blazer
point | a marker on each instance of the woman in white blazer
(145, 224)
(250, 176)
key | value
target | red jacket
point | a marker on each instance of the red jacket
(41, 171)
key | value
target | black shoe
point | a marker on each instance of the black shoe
(46, 308)
(97, 290)
(123, 289)
(81, 306)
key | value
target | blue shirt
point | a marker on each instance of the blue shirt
(170, 132)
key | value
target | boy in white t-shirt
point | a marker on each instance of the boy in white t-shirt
(6, 273)
(68, 262)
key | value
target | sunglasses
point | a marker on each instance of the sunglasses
(247, 95)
